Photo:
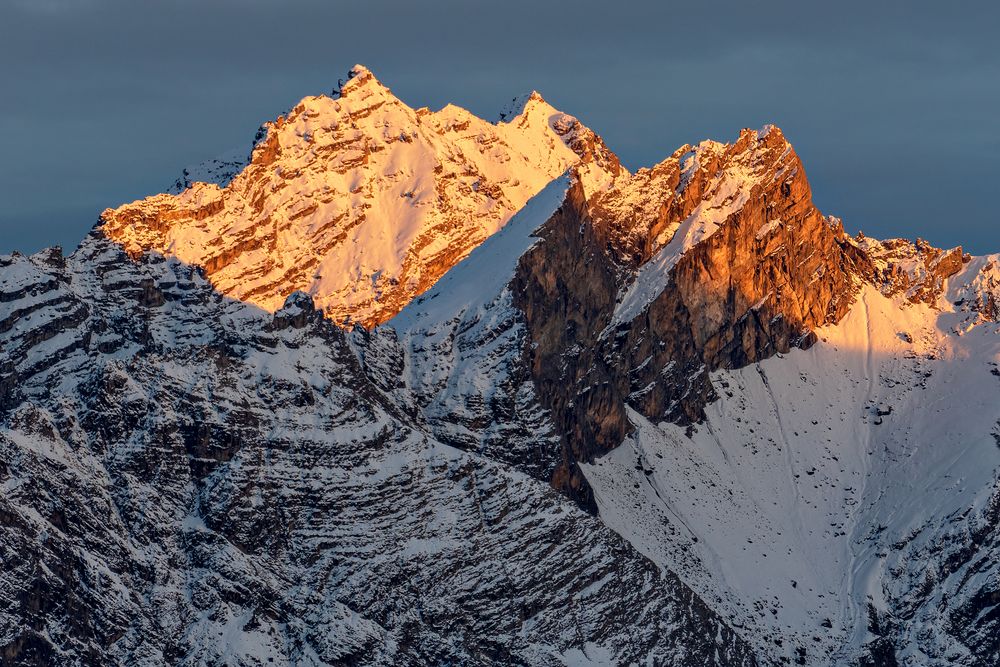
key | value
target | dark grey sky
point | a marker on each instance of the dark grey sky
(893, 106)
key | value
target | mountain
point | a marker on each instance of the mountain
(191, 480)
(540, 410)
(357, 199)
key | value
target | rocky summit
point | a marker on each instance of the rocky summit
(397, 386)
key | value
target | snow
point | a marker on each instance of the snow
(462, 343)
(484, 274)
(219, 170)
(767, 228)
(977, 292)
(516, 107)
(19, 274)
(589, 655)
(792, 478)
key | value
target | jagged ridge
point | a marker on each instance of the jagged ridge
(358, 199)
(618, 336)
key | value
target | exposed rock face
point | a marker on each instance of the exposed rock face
(190, 480)
(980, 295)
(565, 287)
(715, 258)
(774, 269)
(912, 268)
(358, 199)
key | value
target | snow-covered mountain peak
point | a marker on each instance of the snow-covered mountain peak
(360, 78)
(520, 105)
(359, 199)
(359, 71)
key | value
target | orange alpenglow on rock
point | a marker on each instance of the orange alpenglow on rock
(360, 200)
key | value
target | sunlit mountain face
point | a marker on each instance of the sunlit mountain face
(358, 199)
(394, 386)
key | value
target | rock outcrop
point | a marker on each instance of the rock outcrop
(915, 269)
(715, 258)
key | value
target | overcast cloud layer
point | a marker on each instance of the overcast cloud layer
(893, 106)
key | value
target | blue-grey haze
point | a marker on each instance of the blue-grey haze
(893, 106)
